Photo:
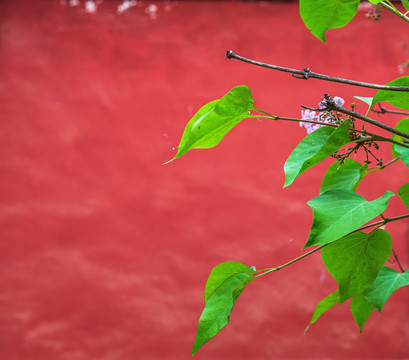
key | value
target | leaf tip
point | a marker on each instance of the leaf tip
(168, 162)
(196, 347)
(390, 193)
(178, 155)
(307, 244)
(288, 182)
(320, 35)
(306, 329)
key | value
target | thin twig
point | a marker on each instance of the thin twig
(307, 73)
(382, 110)
(267, 271)
(381, 222)
(382, 138)
(394, 10)
(397, 261)
(275, 117)
(374, 169)
(374, 137)
(377, 224)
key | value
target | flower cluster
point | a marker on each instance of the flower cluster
(322, 117)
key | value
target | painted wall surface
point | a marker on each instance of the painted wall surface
(104, 251)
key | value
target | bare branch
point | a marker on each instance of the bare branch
(307, 73)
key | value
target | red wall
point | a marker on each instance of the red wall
(104, 251)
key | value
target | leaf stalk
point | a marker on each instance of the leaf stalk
(378, 224)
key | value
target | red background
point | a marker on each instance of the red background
(104, 251)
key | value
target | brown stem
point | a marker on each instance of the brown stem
(377, 223)
(307, 73)
(332, 106)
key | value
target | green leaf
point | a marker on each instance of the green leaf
(323, 306)
(338, 212)
(400, 151)
(403, 193)
(366, 100)
(375, 1)
(355, 260)
(361, 310)
(221, 272)
(214, 120)
(387, 282)
(405, 4)
(239, 289)
(346, 176)
(224, 285)
(399, 99)
(314, 148)
(321, 15)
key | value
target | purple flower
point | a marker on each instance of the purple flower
(339, 101)
(310, 116)
(322, 117)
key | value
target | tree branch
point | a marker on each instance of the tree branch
(384, 221)
(330, 105)
(270, 270)
(375, 137)
(307, 73)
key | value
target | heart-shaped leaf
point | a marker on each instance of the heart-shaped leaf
(338, 212)
(321, 15)
(355, 260)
